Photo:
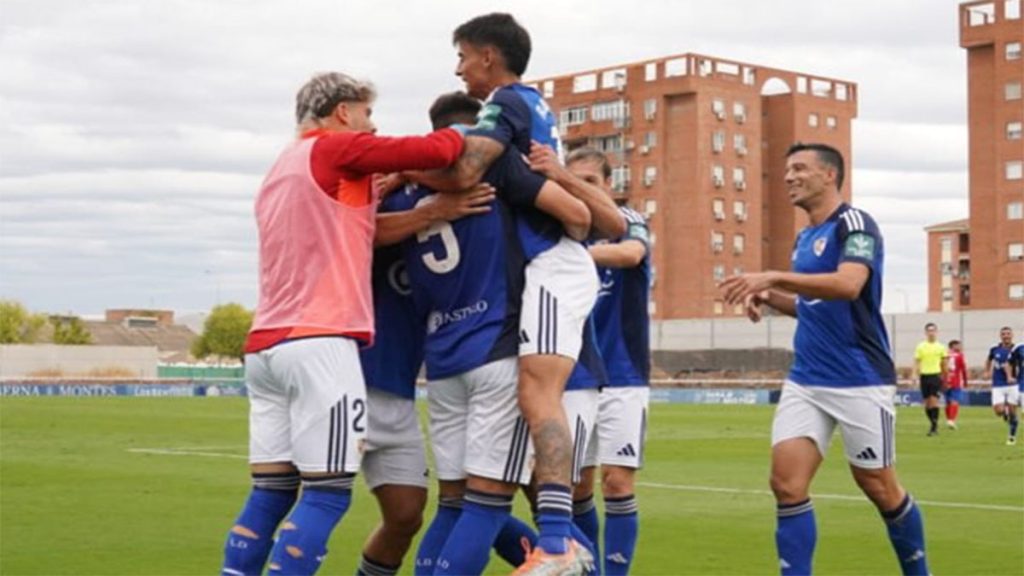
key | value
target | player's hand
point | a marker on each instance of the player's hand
(735, 289)
(475, 200)
(752, 305)
(544, 160)
(384, 184)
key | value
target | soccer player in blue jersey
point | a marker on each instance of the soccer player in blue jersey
(622, 321)
(1017, 367)
(394, 463)
(561, 283)
(468, 276)
(1005, 393)
(842, 372)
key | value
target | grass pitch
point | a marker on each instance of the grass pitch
(151, 485)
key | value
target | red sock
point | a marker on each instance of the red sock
(952, 409)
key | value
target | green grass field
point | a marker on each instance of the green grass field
(78, 497)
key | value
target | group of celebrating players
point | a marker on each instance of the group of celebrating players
(522, 287)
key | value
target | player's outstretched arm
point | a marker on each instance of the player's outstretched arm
(478, 153)
(569, 210)
(845, 283)
(394, 227)
(607, 220)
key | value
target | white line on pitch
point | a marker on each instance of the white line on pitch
(163, 452)
(846, 497)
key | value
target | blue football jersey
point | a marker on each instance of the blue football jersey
(514, 115)
(1017, 361)
(467, 276)
(620, 315)
(842, 343)
(1001, 357)
(394, 360)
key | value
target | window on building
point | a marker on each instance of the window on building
(1013, 130)
(718, 272)
(739, 210)
(717, 242)
(620, 178)
(1014, 170)
(718, 209)
(650, 139)
(946, 268)
(739, 112)
(831, 122)
(947, 294)
(650, 108)
(573, 116)
(653, 239)
(1015, 251)
(1016, 292)
(946, 247)
(737, 270)
(718, 175)
(717, 141)
(609, 111)
(650, 174)
(812, 120)
(719, 307)
(612, 143)
(1012, 91)
(549, 88)
(739, 143)
(1011, 9)
(1013, 50)
(738, 242)
(651, 71)
(1015, 211)
(584, 83)
(650, 207)
(739, 178)
(718, 108)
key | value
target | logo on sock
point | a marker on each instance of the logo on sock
(626, 450)
(918, 555)
(783, 564)
(867, 454)
(618, 558)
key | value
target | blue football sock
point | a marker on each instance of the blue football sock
(448, 511)
(271, 498)
(1014, 421)
(302, 542)
(584, 517)
(554, 517)
(795, 537)
(509, 543)
(469, 545)
(906, 532)
(621, 524)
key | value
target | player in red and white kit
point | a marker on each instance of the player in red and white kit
(956, 379)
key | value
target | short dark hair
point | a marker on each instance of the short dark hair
(453, 108)
(587, 153)
(826, 155)
(953, 343)
(931, 325)
(1006, 328)
(501, 31)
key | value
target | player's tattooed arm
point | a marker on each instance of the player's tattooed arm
(477, 156)
(394, 227)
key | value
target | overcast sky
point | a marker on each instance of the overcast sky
(136, 133)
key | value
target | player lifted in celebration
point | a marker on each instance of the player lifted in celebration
(956, 380)
(842, 371)
(930, 367)
(307, 400)
(1005, 394)
(622, 323)
(560, 279)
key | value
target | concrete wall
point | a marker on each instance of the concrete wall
(978, 330)
(27, 360)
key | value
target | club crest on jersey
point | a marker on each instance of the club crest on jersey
(819, 246)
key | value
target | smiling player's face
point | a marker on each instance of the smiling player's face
(474, 68)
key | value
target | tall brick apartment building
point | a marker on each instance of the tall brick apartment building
(697, 144)
(978, 263)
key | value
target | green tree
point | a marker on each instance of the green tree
(224, 332)
(70, 331)
(17, 324)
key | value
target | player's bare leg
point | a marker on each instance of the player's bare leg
(902, 517)
(401, 510)
(794, 463)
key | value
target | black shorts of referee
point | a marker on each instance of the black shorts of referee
(931, 385)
